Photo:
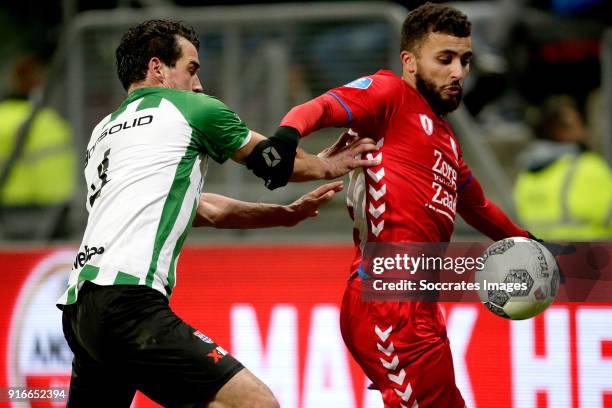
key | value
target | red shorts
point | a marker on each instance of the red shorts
(403, 349)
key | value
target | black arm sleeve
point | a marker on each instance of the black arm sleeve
(273, 159)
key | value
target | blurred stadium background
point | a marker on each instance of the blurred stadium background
(262, 59)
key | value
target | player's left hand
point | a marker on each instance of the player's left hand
(345, 155)
(308, 205)
(556, 250)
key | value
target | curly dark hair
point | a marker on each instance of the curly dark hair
(152, 38)
(435, 18)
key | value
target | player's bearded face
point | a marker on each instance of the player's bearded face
(440, 101)
(442, 63)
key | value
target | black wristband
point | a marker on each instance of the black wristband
(273, 159)
(288, 135)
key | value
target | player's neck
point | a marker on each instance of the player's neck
(410, 79)
(143, 84)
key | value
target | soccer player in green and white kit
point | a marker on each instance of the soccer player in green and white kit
(144, 168)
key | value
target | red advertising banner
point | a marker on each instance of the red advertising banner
(277, 310)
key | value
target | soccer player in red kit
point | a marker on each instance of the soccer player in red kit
(412, 196)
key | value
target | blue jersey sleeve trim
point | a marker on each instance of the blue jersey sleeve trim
(350, 114)
(465, 183)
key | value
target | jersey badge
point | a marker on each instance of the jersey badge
(427, 124)
(361, 83)
(202, 337)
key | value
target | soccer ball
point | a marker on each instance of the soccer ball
(519, 278)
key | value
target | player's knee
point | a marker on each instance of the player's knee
(266, 400)
(261, 397)
(273, 403)
(250, 398)
(245, 389)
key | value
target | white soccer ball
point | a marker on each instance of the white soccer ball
(519, 279)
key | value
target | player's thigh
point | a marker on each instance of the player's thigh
(430, 380)
(405, 355)
(94, 385)
(244, 389)
(172, 363)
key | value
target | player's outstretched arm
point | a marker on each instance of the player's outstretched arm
(218, 211)
(484, 215)
(277, 159)
(335, 161)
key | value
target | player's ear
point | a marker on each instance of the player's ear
(155, 69)
(408, 59)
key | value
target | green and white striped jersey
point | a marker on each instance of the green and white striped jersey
(144, 167)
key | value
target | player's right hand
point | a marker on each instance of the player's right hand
(308, 205)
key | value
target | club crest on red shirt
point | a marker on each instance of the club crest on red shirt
(427, 124)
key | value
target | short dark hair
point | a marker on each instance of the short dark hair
(152, 38)
(435, 18)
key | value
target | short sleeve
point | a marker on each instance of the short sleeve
(369, 99)
(219, 131)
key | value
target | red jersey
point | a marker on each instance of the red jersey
(412, 195)
(422, 180)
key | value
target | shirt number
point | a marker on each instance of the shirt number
(103, 178)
